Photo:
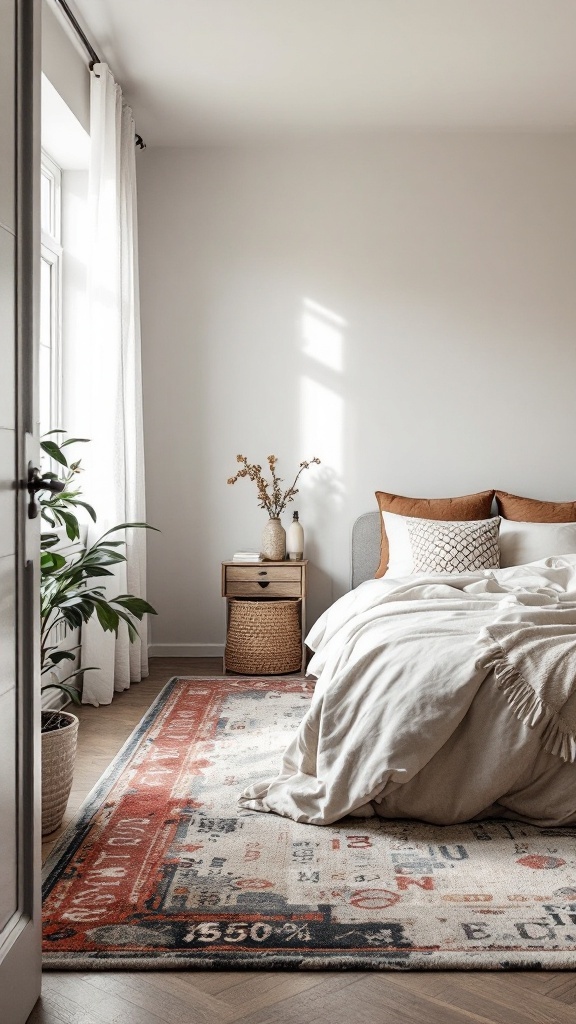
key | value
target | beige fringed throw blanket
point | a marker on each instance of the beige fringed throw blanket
(535, 667)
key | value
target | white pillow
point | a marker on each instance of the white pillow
(400, 560)
(529, 542)
(439, 546)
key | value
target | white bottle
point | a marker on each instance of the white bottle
(295, 540)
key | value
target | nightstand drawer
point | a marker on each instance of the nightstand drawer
(262, 572)
(263, 588)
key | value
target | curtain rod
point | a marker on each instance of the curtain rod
(79, 31)
(94, 58)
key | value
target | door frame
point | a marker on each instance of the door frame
(20, 952)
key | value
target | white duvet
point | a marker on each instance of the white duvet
(442, 698)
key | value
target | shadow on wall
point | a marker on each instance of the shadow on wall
(324, 501)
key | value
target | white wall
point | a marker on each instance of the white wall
(402, 307)
(64, 63)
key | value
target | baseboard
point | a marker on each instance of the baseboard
(185, 650)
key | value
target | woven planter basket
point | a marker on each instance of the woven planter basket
(263, 637)
(58, 757)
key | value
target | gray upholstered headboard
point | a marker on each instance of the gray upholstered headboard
(365, 547)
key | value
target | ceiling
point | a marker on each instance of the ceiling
(221, 71)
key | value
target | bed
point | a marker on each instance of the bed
(443, 698)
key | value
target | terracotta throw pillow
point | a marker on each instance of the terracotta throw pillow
(530, 510)
(469, 506)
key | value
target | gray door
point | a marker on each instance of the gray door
(19, 536)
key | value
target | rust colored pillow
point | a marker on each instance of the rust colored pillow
(469, 506)
(530, 510)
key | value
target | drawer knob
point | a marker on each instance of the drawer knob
(262, 583)
(263, 572)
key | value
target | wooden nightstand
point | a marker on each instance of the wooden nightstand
(266, 581)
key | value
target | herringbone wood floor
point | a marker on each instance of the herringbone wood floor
(195, 997)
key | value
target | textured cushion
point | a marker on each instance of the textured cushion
(469, 506)
(529, 542)
(448, 547)
(427, 545)
(530, 510)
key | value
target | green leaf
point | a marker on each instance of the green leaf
(132, 631)
(48, 540)
(72, 617)
(70, 691)
(79, 672)
(51, 561)
(107, 617)
(71, 523)
(73, 693)
(136, 605)
(68, 599)
(47, 660)
(85, 609)
(74, 440)
(99, 570)
(62, 498)
(53, 451)
(101, 556)
(88, 508)
(59, 656)
(130, 526)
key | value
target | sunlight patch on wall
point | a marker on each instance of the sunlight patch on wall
(322, 423)
(322, 341)
(323, 335)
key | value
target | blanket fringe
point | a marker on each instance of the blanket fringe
(528, 707)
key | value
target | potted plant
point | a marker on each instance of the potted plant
(70, 593)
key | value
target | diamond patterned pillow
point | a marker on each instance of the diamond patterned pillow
(445, 547)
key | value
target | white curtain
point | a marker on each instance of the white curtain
(111, 390)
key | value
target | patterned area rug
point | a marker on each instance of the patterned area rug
(162, 870)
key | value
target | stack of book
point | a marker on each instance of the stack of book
(247, 556)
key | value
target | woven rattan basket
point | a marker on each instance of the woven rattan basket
(263, 637)
(58, 756)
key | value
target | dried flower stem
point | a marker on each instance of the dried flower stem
(270, 494)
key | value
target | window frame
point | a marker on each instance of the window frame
(51, 253)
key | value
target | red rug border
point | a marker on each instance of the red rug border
(69, 838)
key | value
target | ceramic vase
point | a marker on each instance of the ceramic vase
(274, 540)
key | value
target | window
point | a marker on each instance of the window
(50, 364)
